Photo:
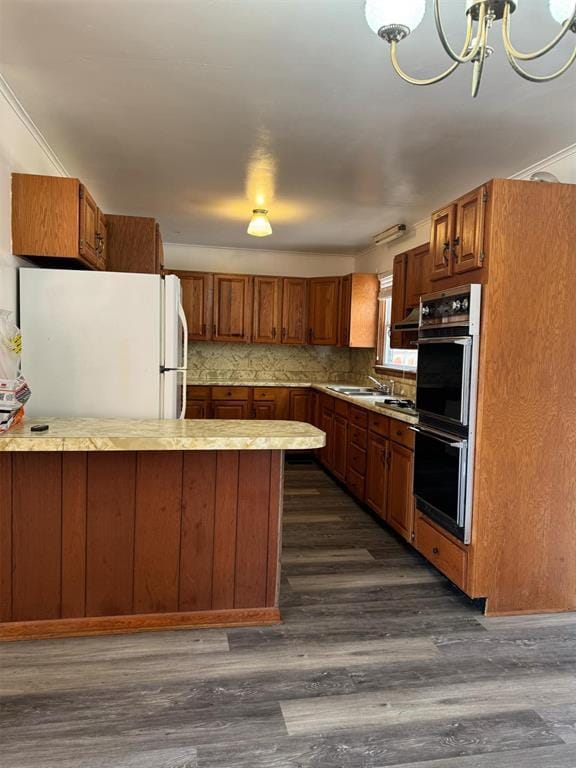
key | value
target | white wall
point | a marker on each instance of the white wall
(22, 149)
(379, 258)
(256, 262)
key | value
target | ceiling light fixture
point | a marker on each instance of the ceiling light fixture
(393, 20)
(259, 225)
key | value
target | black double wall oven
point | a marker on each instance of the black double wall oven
(446, 391)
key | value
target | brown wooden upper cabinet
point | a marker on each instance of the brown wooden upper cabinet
(232, 319)
(266, 327)
(398, 299)
(457, 236)
(134, 244)
(324, 315)
(359, 310)
(294, 310)
(56, 218)
(197, 301)
(417, 275)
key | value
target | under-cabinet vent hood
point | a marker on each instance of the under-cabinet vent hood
(410, 322)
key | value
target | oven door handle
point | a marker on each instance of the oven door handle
(442, 438)
(463, 341)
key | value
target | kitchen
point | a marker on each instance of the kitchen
(365, 519)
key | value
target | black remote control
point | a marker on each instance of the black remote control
(39, 428)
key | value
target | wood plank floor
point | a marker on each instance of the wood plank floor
(379, 662)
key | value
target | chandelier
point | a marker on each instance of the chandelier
(393, 20)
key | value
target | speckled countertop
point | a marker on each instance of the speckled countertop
(363, 402)
(161, 435)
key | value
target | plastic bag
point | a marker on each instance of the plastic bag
(14, 391)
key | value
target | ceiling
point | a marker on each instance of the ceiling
(184, 109)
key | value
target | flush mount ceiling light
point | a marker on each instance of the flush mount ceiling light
(259, 225)
(393, 20)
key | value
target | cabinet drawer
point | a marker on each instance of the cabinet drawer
(379, 424)
(340, 407)
(357, 459)
(198, 393)
(358, 417)
(358, 436)
(447, 556)
(401, 433)
(265, 393)
(355, 483)
(230, 393)
(326, 402)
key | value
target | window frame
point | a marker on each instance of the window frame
(383, 348)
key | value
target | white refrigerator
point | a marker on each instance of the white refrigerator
(103, 344)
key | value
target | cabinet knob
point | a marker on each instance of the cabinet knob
(435, 551)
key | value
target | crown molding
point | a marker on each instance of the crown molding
(542, 165)
(18, 109)
(267, 251)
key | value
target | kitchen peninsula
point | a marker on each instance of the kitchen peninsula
(110, 526)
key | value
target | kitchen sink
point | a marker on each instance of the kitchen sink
(355, 391)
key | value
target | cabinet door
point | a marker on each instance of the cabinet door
(197, 409)
(300, 405)
(294, 310)
(417, 269)
(324, 314)
(197, 294)
(398, 300)
(469, 240)
(232, 308)
(345, 310)
(340, 439)
(400, 507)
(267, 310)
(230, 409)
(101, 241)
(88, 240)
(441, 242)
(264, 409)
(377, 474)
(326, 454)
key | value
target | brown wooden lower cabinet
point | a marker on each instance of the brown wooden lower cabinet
(400, 502)
(230, 409)
(377, 474)
(119, 541)
(443, 551)
(340, 450)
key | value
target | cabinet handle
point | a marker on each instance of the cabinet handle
(273, 333)
(283, 333)
(445, 251)
(435, 551)
(455, 245)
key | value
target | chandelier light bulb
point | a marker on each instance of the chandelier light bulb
(561, 10)
(259, 225)
(385, 15)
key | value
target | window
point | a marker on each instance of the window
(386, 356)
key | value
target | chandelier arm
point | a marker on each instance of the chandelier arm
(536, 54)
(478, 65)
(467, 53)
(413, 80)
(540, 78)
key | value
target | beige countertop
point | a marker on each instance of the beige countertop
(161, 435)
(363, 402)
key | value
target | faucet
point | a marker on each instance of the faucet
(385, 389)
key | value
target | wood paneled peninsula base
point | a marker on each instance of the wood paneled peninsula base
(122, 526)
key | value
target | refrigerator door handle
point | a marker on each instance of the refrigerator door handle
(183, 409)
(184, 322)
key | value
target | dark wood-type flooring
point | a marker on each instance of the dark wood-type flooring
(379, 662)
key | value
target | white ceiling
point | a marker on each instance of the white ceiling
(161, 106)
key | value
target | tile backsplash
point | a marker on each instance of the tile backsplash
(274, 363)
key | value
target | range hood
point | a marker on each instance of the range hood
(410, 322)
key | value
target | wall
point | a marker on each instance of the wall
(256, 262)
(23, 149)
(379, 258)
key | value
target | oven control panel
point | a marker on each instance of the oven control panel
(456, 307)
